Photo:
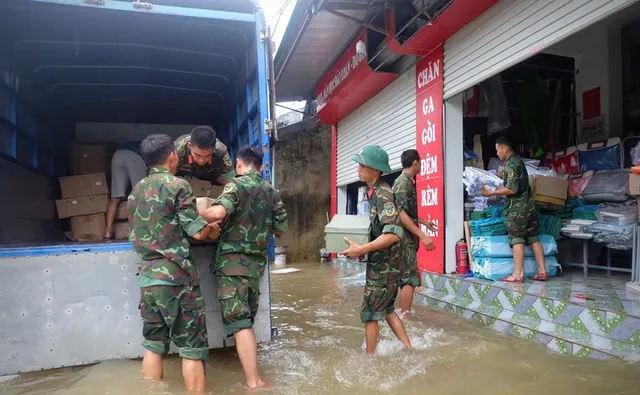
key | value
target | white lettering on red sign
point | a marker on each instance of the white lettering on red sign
(429, 133)
(429, 165)
(340, 76)
(427, 106)
(428, 232)
(429, 197)
(429, 74)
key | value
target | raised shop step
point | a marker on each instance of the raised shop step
(607, 326)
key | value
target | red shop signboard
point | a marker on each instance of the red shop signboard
(429, 143)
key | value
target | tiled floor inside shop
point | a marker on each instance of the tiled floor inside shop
(603, 326)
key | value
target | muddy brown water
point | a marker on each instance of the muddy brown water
(319, 351)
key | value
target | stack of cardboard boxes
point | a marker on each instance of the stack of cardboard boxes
(85, 195)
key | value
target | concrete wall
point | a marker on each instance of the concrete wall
(303, 177)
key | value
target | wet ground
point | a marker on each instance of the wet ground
(319, 351)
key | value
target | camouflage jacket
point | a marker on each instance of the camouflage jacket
(220, 165)
(254, 212)
(162, 213)
(515, 178)
(384, 266)
(404, 194)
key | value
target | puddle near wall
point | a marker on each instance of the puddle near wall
(320, 351)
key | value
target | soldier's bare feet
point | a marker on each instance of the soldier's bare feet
(262, 385)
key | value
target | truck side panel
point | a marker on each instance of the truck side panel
(63, 308)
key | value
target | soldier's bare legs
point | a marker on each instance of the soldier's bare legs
(406, 298)
(538, 253)
(371, 331)
(152, 365)
(193, 373)
(518, 260)
(398, 329)
(112, 211)
(248, 354)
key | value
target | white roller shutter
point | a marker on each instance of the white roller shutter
(388, 120)
(513, 30)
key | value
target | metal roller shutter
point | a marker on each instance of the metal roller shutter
(387, 120)
(513, 30)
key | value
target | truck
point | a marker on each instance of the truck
(98, 73)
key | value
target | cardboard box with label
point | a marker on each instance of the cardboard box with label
(633, 185)
(88, 227)
(85, 205)
(550, 190)
(91, 158)
(84, 185)
(203, 188)
(122, 230)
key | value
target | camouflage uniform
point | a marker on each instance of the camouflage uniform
(220, 165)
(520, 212)
(254, 211)
(404, 194)
(385, 268)
(162, 213)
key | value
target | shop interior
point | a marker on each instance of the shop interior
(77, 82)
(572, 113)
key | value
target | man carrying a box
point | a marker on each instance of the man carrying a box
(385, 252)
(163, 214)
(203, 156)
(252, 210)
(521, 214)
(406, 199)
(127, 169)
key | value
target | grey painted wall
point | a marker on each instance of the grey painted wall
(303, 177)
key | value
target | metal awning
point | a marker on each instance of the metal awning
(314, 40)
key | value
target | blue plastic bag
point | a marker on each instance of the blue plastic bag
(498, 246)
(499, 268)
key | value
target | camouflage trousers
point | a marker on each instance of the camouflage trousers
(411, 275)
(379, 301)
(239, 299)
(174, 313)
(522, 227)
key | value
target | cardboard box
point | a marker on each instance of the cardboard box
(85, 205)
(203, 203)
(550, 188)
(122, 230)
(88, 227)
(91, 158)
(84, 185)
(203, 188)
(123, 211)
(633, 185)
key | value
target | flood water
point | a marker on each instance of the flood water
(319, 351)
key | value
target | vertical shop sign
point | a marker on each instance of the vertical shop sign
(429, 143)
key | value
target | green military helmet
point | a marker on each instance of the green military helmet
(374, 157)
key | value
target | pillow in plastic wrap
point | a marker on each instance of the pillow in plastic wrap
(603, 155)
(607, 185)
(498, 246)
(499, 268)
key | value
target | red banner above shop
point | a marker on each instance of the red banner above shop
(349, 84)
(429, 143)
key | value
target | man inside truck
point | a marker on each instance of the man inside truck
(252, 210)
(127, 169)
(203, 156)
(163, 214)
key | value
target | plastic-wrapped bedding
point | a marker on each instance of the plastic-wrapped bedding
(499, 268)
(476, 180)
(607, 185)
(498, 246)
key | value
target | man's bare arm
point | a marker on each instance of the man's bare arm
(214, 213)
(409, 225)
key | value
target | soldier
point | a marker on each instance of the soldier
(252, 210)
(385, 253)
(203, 156)
(162, 214)
(404, 194)
(521, 214)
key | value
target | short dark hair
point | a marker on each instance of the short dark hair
(504, 141)
(251, 156)
(203, 137)
(408, 157)
(156, 148)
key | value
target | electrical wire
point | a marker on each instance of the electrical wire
(279, 14)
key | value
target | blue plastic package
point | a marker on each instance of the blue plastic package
(499, 268)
